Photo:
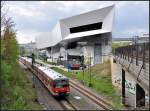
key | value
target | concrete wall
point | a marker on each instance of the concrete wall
(136, 70)
(88, 52)
(55, 53)
(131, 74)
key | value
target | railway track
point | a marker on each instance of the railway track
(99, 101)
(63, 102)
(66, 105)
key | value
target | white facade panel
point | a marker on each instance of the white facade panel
(48, 39)
(108, 20)
(83, 34)
(43, 40)
(62, 29)
(89, 18)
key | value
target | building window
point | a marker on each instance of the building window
(88, 27)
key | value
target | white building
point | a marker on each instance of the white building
(88, 34)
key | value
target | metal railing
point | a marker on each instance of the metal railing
(139, 52)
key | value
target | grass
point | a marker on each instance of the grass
(16, 89)
(101, 82)
(52, 63)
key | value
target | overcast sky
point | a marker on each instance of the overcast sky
(34, 17)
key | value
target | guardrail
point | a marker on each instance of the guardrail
(139, 52)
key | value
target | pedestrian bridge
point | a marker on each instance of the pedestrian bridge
(130, 72)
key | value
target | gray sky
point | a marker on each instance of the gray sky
(34, 17)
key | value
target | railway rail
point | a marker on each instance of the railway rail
(96, 99)
(99, 101)
(64, 103)
(67, 105)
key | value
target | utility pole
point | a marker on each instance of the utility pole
(82, 60)
(33, 61)
(68, 65)
(90, 84)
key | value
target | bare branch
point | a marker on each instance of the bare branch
(2, 4)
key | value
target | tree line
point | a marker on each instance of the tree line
(9, 45)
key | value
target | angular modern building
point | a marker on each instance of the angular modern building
(88, 34)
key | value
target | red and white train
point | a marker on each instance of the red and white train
(56, 83)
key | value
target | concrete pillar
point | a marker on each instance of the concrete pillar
(52, 54)
(140, 96)
(123, 86)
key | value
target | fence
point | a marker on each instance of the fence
(138, 51)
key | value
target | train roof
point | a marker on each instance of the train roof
(51, 73)
(48, 71)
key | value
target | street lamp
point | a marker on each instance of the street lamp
(33, 61)
(82, 59)
(82, 64)
(68, 65)
(82, 44)
(90, 84)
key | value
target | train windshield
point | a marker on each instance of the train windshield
(61, 83)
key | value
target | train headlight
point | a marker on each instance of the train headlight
(56, 91)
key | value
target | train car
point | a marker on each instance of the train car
(55, 82)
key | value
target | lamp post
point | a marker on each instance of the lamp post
(90, 84)
(82, 44)
(82, 60)
(68, 66)
(82, 64)
(33, 61)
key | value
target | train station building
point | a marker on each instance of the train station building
(88, 35)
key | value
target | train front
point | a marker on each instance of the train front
(61, 87)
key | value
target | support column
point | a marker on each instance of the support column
(140, 96)
(52, 54)
(123, 86)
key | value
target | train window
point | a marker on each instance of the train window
(61, 83)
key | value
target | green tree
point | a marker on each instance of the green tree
(9, 46)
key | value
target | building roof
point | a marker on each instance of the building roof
(62, 30)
